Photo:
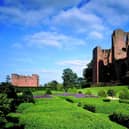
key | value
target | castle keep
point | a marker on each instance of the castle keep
(25, 81)
(112, 65)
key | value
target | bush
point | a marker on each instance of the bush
(79, 92)
(88, 92)
(69, 100)
(5, 104)
(124, 94)
(48, 91)
(72, 90)
(121, 117)
(26, 96)
(79, 104)
(106, 100)
(89, 107)
(111, 92)
(124, 101)
(102, 93)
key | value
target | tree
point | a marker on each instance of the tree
(81, 82)
(69, 78)
(52, 85)
(7, 78)
(87, 72)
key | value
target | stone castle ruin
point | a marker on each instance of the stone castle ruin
(112, 65)
(25, 81)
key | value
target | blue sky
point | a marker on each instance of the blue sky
(47, 36)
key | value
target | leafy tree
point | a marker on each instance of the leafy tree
(52, 85)
(69, 78)
(7, 78)
(87, 72)
(81, 82)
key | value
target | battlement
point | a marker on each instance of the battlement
(25, 81)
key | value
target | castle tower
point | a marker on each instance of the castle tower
(119, 45)
(119, 53)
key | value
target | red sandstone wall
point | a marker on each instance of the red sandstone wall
(25, 81)
(100, 56)
(120, 46)
(119, 42)
(97, 57)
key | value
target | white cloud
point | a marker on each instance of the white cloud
(32, 12)
(114, 13)
(53, 39)
(38, 4)
(16, 15)
(72, 63)
(96, 34)
(77, 20)
(76, 65)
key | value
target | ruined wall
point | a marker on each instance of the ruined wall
(119, 45)
(25, 81)
(114, 61)
(101, 57)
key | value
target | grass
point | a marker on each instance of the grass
(101, 106)
(95, 90)
(42, 92)
(56, 113)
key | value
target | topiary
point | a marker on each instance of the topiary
(102, 93)
(88, 92)
(124, 94)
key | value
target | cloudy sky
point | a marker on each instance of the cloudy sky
(47, 36)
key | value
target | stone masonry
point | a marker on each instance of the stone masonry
(25, 81)
(111, 65)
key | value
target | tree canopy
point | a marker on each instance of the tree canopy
(69, 78)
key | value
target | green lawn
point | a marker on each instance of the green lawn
(101, 106)
(57, 113)
(95, 90)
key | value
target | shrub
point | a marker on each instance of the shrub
(88, 92)
(26, 96)
(79, 104)
(121, 117)
(69, 100)
(102, 93)
(111, 92)
(72, 90)
(124, 94)
(124, 101)
(89, 107)
(106, 100)
(48, 91)
(5, 104)
(79, 92)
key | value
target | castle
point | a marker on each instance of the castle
(112, 65)
(25, 81)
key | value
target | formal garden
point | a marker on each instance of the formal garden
(70, 105)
